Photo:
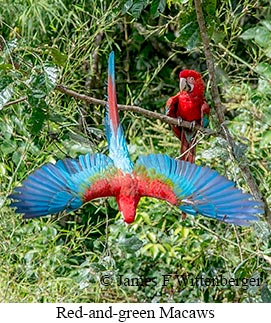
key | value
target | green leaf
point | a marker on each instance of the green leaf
(58, 57)
(138, 7)
(209, 7)
(151, 236)
(267, 24)
(264, 87)
(3, 170)
(8, 147)
(51, 73)
(131, 244)
(267, 51)
(16, 157)
(44, 83)
(38, 87)
(37, 121)
(1, 202)
(193, 40)
(218, 36)
(266, 139)
(157, 7)
(188, 35)
(249, 33)
(264, 69)
(39, 114)
(176, 2)
(127, 6)
(262, 36)
(154, 250)
(266, 294)
(5, 95)
(6, 67)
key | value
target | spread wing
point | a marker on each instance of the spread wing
(195, 189)
(61, 186)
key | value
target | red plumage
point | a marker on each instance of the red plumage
(128, 189)
(189, 105)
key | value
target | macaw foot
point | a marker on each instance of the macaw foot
(180, 120)
(192, 125)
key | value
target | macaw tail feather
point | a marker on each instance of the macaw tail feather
(118, 150)
(112, 96)
(188, 147)
(57, 187)
(201, 190)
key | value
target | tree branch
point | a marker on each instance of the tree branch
(243, 164)
(134, 108)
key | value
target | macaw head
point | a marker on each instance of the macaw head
(191, 82)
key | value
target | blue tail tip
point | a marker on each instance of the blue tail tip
(111, 65)
(111, 55)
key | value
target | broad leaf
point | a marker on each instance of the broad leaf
(266, 139)
(249, 33)
(264, 69)
(209, 7)
(262, 36)
(127, 6)
(44, 83)
(51, 73)
(267, 24)
(5, 95)
(131, 244)
(157, 7)
(138, 7)
(58, 57)
(188, 35)
(38, 116)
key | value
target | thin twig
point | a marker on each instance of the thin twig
(243, 164)
(24, 98)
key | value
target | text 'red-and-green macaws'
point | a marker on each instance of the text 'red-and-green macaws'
(190, 105)
(70, 183)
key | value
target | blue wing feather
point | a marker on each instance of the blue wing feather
(61, 186)
(202, 190)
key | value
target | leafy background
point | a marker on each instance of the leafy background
(62, 258)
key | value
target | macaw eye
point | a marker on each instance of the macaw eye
(190, 79)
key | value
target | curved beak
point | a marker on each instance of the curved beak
(183, 84)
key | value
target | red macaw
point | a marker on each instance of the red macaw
(189, 105)
(70, 183)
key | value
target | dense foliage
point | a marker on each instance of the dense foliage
(72, 258)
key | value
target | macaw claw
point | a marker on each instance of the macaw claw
(192, 125)
(180, 120)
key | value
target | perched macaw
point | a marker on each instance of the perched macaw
(70, 183)
(189, 105)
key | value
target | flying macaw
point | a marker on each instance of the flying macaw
(189, 105)
(70, 183)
